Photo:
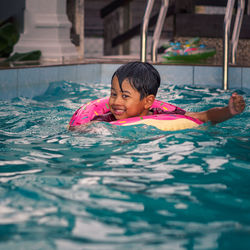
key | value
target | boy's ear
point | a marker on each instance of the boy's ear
(149, 101)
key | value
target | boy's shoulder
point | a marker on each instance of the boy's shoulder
(108, 117)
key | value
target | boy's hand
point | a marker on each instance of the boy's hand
(236, 104)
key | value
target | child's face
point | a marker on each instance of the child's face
(126, 103)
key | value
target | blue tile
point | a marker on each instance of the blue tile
(246, 78)
(177, 75)
(234, 78)
(29, 82)
(48, 74)
(107, 72)
(8, 84)
(208, 76)
(67, 73)
(89, 73)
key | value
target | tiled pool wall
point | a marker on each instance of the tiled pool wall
(30, 82)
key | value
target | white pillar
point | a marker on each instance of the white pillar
(47, 28)
(79, 25)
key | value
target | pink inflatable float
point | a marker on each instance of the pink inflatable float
(166, 122)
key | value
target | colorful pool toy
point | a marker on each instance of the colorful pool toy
(191, 50)
(165, 122)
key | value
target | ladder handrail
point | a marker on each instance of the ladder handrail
(237, 28)
(235, 37)
(144, 31)
(227, 25)
(158, 29)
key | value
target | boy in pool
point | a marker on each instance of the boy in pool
(133, 90)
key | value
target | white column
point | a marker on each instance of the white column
(47, 28)
(79, 25)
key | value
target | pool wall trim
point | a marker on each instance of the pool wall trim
(33, 81)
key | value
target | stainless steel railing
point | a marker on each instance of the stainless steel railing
(237, 28)
(235, 36)
(157, 31)
(144, 31)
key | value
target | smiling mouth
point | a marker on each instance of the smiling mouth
(118, 111)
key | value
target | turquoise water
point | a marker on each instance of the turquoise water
(122, 188)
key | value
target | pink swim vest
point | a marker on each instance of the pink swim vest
(166, 122)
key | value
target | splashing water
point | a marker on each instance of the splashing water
(122, 187)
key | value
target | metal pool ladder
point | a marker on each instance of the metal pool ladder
(227, 25)
(235, 36)
(157, 31)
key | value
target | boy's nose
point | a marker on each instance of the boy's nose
(118, 100)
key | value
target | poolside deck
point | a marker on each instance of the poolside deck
(94, 54)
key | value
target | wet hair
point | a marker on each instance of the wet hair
(142, 76)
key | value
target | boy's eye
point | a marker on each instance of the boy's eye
(113, 94)
(125, 96)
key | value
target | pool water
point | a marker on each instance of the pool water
(122, 187)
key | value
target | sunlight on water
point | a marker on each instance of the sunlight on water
(122, 187)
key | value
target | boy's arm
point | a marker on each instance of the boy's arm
(235, 106)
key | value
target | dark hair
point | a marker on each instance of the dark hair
(142, 76)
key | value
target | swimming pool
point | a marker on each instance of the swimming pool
(122, 187)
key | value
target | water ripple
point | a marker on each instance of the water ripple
(122, 187)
